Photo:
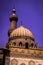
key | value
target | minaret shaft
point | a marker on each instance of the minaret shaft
(13, 25)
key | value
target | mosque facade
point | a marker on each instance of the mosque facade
(21, 48)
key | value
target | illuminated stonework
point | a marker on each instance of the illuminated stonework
(25, 61)
(21, 48)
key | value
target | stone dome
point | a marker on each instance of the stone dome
(21, 31)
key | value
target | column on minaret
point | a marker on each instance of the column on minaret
(13, 22)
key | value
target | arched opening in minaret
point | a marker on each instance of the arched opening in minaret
(20, 43)
(26, 45)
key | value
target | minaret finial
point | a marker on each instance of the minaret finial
(13, 17)
(14, 11)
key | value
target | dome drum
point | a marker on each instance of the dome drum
(25, 45)
(21, 43)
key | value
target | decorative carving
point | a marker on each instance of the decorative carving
(22, 51)
(16, 51)
(27, 53)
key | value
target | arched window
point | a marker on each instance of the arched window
(31, 63)
(39, 64)
(14, 62)
(26, 45)
(32, 44)
(14, 43)
(22, 64)
(20, 44)
(35, 46)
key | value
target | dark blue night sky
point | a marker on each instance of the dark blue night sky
(29, 11)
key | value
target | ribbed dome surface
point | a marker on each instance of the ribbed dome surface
(21, 31)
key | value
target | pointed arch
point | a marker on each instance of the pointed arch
(31, 62)
(22, 64)
(14, 62)
(32, 44)
(26, 45)
(20, 43)
(14, 43)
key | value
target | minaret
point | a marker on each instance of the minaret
(13, 21)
